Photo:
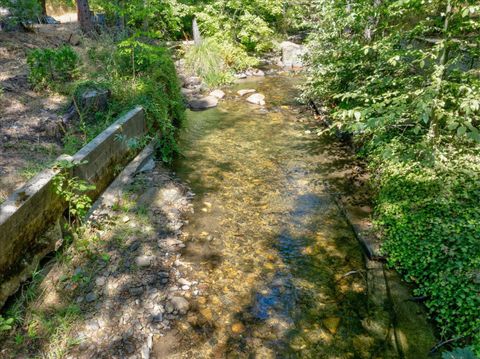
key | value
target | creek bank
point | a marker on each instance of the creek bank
(124, 273)
(31, 210)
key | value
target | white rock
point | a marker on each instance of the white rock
(100, 281)
(183, 281)
(257, 99)
(241, 76)
(245, 92)
(218, 94)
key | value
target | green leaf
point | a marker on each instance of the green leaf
(461, 130)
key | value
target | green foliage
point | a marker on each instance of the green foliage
(157, 18)
(52, 67)
(206, 61)
(152, 82)
(250, 23)
(6, 324)
(402, 78)
(429, 216)
(73, 190)
(22, 11)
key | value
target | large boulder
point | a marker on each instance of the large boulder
(203, 103)
(292, 54)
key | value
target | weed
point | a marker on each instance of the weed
(19, 339)
(5, 324)
(50, 68)
(74, 191)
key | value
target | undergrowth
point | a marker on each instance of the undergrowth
(428, 213)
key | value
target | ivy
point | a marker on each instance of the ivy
(402, 77)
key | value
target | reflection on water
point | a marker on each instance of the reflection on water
(266, 242)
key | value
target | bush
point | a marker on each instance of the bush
(207, 62)
(146, 76)
(22, 11)
(51, 67)
(411, 105)
(236, 57)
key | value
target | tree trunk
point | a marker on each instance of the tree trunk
(43, 4)
(85, 16)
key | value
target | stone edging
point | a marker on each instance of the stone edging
(31, 210)
(406, 320)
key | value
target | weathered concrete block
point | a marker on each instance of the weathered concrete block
(33, 209)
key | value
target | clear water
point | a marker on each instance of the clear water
(267, 243)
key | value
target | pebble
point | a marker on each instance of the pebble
(92, 325)
(238, 328)
(90, 297)
(135, 291)
(169, 308)
(183, 281)
(144, 261)
(180, 304)
(100, 281)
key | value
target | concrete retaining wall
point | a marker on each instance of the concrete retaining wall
(35, 209)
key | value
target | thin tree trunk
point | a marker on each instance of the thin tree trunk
(145, 19)
(85, 16)
(442, 57)
(43, 4)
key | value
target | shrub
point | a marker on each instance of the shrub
(411, 105)
(236, 57)
(207, 62)
(146, 76)
(22, 11)
(51, 67)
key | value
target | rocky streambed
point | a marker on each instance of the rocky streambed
(242, 252)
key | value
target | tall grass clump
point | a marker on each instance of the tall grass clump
(206, 61)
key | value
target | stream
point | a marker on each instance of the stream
(279, 269)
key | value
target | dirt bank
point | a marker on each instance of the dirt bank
(29, 121)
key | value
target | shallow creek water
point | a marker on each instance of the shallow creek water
(272, 252)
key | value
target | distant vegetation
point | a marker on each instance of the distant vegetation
(403, 78)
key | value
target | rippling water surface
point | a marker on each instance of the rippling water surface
(266, 242)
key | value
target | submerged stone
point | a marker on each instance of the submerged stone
(245, 92)
(203, 103)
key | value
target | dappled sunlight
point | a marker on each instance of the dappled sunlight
(284, 272)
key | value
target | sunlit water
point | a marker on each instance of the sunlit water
(267, 242)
